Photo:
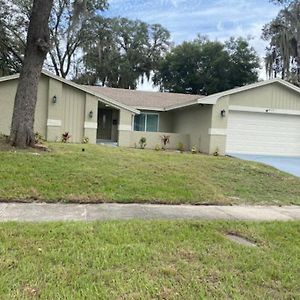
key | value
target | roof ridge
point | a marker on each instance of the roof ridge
(142, 91)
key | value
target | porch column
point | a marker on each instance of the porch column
(125, 128)
(90, 118)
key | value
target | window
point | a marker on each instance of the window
(146, 122)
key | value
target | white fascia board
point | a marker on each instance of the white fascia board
(10, 77)
(150, 108)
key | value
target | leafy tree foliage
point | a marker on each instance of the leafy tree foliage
(67, 27)
(12, 37)
(206, 67)
(116, 52)
(120, 51)
(68, 21)
(283, 53)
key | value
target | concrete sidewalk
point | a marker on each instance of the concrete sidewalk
(37, 212)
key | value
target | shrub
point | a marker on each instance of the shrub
(4, 137)
(65, 137)
(194, 149)
(216, 153)
(143, 142)
(180, 147)
(38, 138)
(165, 139)
(85, 140)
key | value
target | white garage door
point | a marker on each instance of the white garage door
(263, 133)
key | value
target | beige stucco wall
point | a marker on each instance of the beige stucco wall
(217, 131)
(55, 110)
(125, 128)
(73, 113)
(166, 121)
(90, 124)
(114, 128)
(7, 95)
(195, 121)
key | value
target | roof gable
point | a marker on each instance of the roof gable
(213, 99)
(103, 98)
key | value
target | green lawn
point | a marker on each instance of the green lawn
(149, 260)
(103, 174)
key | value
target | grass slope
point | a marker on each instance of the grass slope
(149, 260)
(132, 175)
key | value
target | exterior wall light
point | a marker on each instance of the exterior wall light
(54, 99)
(91, 114)
(223, 113)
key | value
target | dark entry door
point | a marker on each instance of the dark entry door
(104, 124)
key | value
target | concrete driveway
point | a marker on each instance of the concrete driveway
(284, 163)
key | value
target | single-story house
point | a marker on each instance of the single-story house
(261, 118)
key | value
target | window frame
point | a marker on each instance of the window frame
(146, 117)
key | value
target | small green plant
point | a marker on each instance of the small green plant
(157, 147)
(143, 142)
(4, 137)
(65, 137)
(194, 149)
(38, 138)
(180, 147)
(85, 140)
(165, 139)
(216, 153)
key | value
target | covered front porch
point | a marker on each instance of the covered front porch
(107, 124)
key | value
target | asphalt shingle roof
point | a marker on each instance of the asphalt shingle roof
(144, 99)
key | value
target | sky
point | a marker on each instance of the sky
(218, 19)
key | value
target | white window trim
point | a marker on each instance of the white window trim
(147, 113)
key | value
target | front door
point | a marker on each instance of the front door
(104, 124)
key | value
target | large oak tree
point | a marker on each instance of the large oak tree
(37, 47)
(119, 52)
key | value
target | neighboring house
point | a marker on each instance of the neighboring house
(262, 118)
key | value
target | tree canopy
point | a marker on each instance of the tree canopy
(283, 33)
(85, 46)
(120, 51)
(205, 67)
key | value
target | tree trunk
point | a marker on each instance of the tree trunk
(298, 42)
(38, 44)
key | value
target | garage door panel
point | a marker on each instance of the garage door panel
(261, 133)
